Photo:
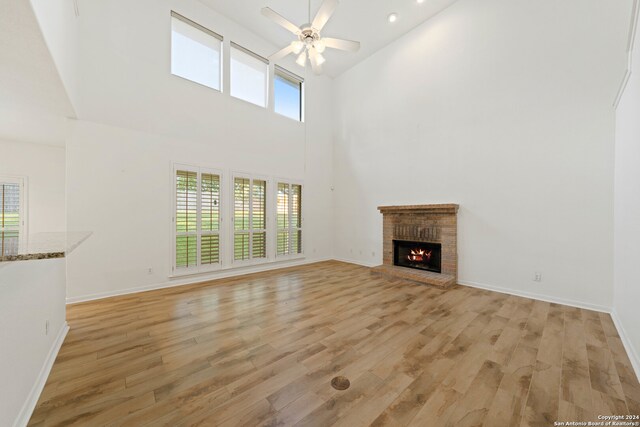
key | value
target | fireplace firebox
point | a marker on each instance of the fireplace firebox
(419, 255)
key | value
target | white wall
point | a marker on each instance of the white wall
(504, 107)
(136, 119)
(31, 293)
(33, 105)
(120, 187)
(59, 25)
(627, 213)
(44, 168)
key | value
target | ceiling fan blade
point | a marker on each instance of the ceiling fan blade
(349, 45)
(280, 20)
(324, 13)
(281, 53)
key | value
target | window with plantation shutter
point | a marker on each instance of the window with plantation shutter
(249, 218)
(289, 219)
(11, 214)
(197, 218)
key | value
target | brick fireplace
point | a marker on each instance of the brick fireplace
(420, 243)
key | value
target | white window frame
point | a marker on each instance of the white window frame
(290, 255)
(233, 45)
(198, 268)
(209, 32)
(22, 181)
(283, 72)
(267, 230)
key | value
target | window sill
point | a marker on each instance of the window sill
(237, 267)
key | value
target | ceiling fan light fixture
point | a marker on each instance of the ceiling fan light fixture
(302, 59)
(314, 55)
(297, 46)
(320, 46)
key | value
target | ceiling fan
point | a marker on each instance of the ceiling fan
(310, 44)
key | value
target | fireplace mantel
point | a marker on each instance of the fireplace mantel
(433, 209)
(435, 223)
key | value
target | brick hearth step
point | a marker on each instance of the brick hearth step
(422, 277)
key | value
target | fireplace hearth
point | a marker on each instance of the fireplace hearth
(419, 243)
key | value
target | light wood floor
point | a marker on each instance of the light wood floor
(262, 350)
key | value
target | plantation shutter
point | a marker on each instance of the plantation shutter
(259, 219)
(289, 219)
(283, 219)
(250, 219)
(197, 219)
(296, 219)
(210, 219)
(241, 212)
(10, 216)
(186, 219)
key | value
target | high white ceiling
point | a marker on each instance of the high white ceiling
(361, 20)
(33, 102)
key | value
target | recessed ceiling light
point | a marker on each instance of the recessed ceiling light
(420, 1)
(393, 17)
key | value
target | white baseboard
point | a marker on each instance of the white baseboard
(532, 295)
(190, 280)
(631, 351)
(30, 404)
(541, 297)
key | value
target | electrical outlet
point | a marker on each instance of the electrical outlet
(537, 277)
(46, 327)
(150, 270)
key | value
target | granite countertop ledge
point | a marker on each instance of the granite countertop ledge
(42, 246)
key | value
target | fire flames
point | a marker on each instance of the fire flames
(419, 255)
